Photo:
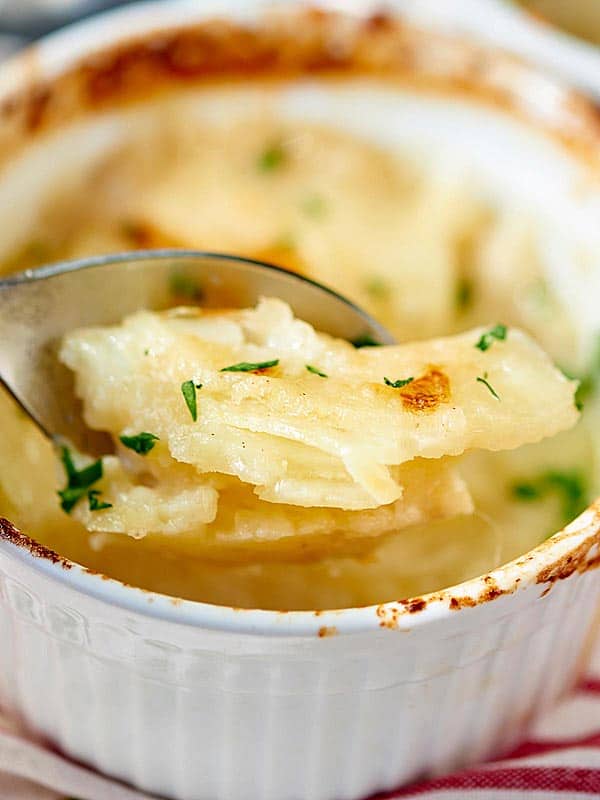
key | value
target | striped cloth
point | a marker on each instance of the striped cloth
(560, 760)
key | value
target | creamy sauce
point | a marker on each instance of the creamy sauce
(422, 252)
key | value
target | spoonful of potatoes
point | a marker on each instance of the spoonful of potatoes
(252, 416)
(38, 307)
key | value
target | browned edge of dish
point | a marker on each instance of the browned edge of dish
(288, 44)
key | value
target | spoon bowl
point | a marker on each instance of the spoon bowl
(38, 307)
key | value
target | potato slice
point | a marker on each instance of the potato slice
(244, 524)
(171, 507)
(300, 438)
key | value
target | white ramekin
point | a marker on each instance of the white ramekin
(502, 23)
(201, 702)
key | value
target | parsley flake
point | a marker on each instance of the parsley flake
(365, 341)
(590, 381)
(247, 366)
(583, 389)
(399, 383)
(579, 404)
(573, 488)
(498, 333)
(377, 288)
(188, 390)
(315, 371)
(570, 486)
(485, 382)
(181, 285)
(526, 491)
(78, 480)
(141, 443)
(272, 158)
(464, 294)
(95, 504)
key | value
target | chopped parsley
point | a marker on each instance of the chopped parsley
(590, 381)
(377, 288)
(314, 206)
(70, 496)
(583, 391)
(248, 366)
(497, 333)
(79, 481)
(464, 292)
(526, 491)
(188, 390)
(573, 488)
(399, 383)
(181, 285)
(315, 371)
(95, 504)
(141, 443)
(272, 158)
(485, 382)
(570, 486)
(365, 341)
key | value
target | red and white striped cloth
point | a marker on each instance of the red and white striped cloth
(560, 760)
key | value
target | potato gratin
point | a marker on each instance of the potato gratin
(248, 430)
(405, 469)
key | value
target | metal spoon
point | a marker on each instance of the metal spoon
(38, 307)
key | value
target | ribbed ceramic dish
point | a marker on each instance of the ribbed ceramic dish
(200, 702)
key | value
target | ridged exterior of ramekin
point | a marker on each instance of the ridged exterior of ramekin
(198, 714)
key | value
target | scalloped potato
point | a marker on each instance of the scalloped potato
(227, 397)
(423, 248)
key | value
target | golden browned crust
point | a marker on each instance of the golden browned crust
(284, 45)
(427, 392)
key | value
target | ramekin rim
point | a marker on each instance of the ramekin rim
(575, 549)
